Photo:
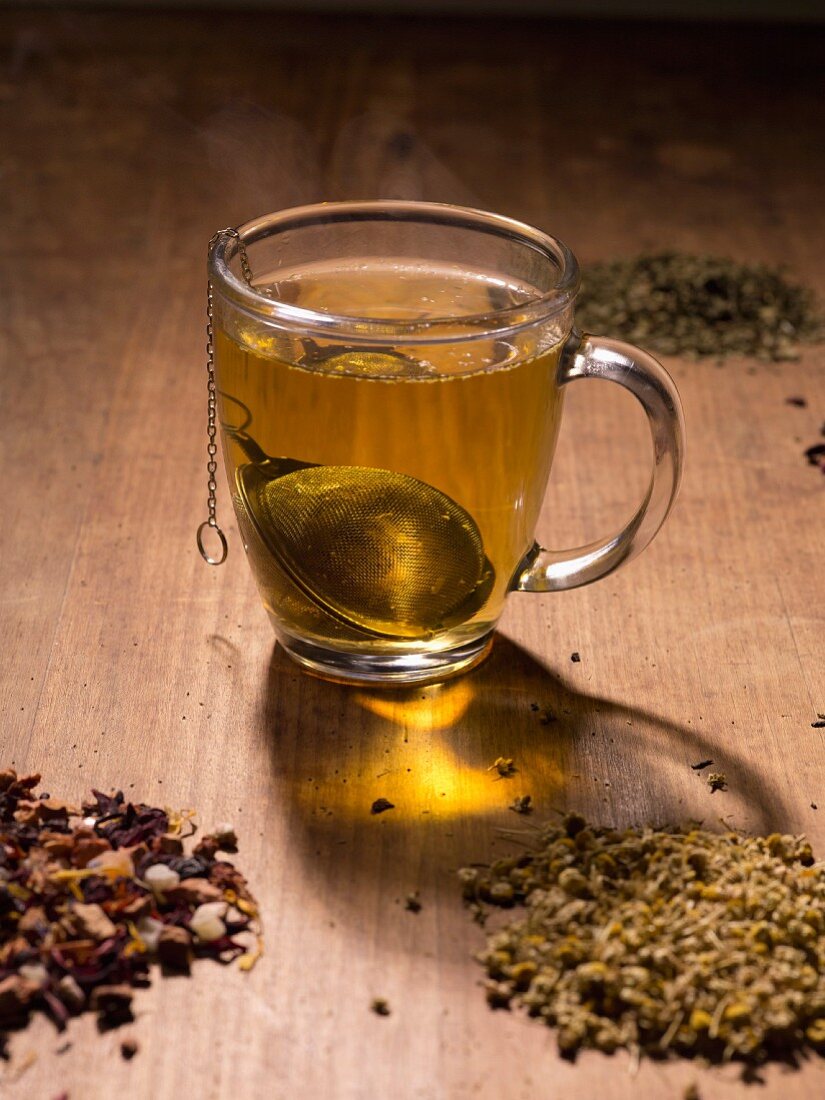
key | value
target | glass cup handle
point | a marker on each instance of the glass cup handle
(600, 357)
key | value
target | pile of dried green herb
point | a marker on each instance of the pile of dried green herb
(661, 941)
(675, 303)
(89, 897)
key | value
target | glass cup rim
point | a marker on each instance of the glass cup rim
(448, 329)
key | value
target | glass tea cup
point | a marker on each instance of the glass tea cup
(389, 380)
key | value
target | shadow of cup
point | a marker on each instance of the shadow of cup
(431, 752)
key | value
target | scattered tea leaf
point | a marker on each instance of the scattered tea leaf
(380, 1007)
(676, 303)
(381, 805)
(701, 765)
(575, 658)
(816, 455)
(412, 903)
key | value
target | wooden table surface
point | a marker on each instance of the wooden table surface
(127, 140)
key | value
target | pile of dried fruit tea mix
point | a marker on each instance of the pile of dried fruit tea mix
(661, 941)
(676, 303)
(89, 897)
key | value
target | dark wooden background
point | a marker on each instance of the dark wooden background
(127, 139)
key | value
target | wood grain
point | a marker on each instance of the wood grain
(127, 141)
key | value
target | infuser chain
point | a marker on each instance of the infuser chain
(211, 406)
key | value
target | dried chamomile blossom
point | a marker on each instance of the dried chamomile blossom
(661, 941)
(522, 804)
(412, 903)
(504, 765)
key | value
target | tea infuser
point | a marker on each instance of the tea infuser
(377, 550)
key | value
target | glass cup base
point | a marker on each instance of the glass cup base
(389, 670)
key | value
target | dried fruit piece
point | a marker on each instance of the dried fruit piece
(175, 948)
(207, 921)
(91, 922)
(194, 891)
(160, 878)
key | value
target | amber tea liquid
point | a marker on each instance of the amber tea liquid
(475, 420)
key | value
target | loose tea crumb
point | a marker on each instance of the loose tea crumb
(701, 765)
(380, 1007)
(412, 903)
(504, 765)
(673, 941)
(113, 1005)
(717, 782)
(799, 402)
(381, 805)
(129, 1048)
(816, 456)
(680, 304)
(575, 658)
(522, 804)
(692, 1092)
(91, 896)
(546, 716)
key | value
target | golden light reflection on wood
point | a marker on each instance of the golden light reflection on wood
(438, 769)
(436, 706)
